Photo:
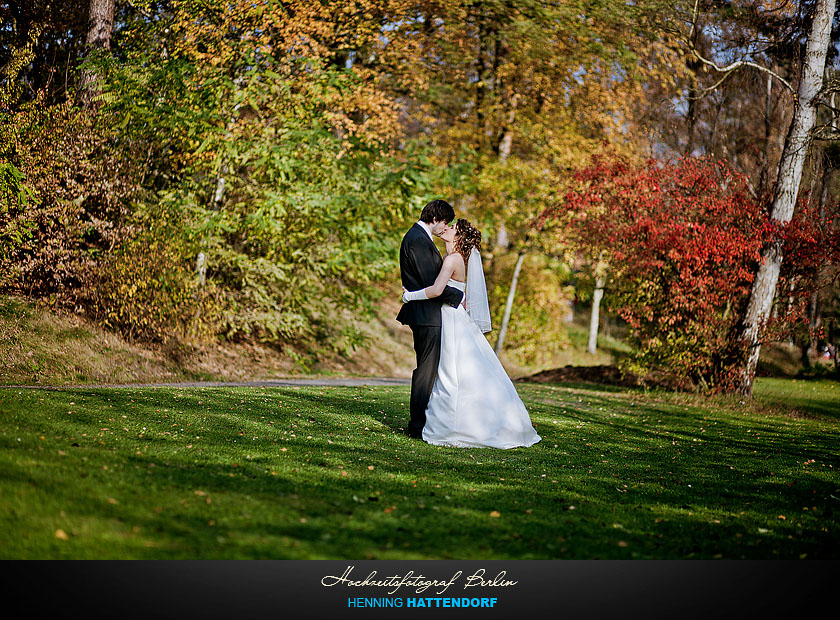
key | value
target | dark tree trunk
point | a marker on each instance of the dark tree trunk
(768, 126)
(693, 65)
(100, 28)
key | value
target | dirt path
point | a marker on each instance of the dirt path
(326, 382)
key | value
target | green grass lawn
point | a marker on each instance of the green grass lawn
(318, 473)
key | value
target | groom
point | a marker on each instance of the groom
(420, 263)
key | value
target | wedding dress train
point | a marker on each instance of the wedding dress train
(474, 403)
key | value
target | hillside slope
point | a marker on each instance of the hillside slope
(39, 346)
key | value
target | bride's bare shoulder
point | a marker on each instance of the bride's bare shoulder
(455, 259)
(454, 263)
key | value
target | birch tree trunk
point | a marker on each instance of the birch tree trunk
(500, 341)
(100, 28)
(218, 198)
(592, 346)
(790, 174)
(594, 319)
(502, 238)
(506, 142)
(219, 192)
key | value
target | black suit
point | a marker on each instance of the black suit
(420, 264)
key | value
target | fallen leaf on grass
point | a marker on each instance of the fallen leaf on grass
(621, 543)
(62, 535)
(111, 500)
(495, 513)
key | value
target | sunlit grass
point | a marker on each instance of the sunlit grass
(325, 473)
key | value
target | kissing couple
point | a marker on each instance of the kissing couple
(461, 395)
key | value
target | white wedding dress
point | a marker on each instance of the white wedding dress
(473, 402)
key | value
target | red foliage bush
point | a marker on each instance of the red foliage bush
(810, 272)
(681, 240)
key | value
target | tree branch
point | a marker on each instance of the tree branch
(728, 69)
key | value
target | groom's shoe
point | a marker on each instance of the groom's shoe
(414, 434)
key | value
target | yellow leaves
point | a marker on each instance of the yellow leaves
(495, 514)
(61, 535)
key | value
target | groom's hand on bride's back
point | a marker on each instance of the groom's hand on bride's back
(452, 296)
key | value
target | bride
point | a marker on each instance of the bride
(473, 402)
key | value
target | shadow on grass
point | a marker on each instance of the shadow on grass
(609, 480)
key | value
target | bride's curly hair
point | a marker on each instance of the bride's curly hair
(466, 238)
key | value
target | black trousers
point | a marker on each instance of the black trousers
(427, 349)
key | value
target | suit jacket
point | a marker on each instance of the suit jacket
(420, 264)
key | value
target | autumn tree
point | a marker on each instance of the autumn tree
(521, 92)
(680, 238)
(790, 174)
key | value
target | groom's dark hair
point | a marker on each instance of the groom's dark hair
(439, 210)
